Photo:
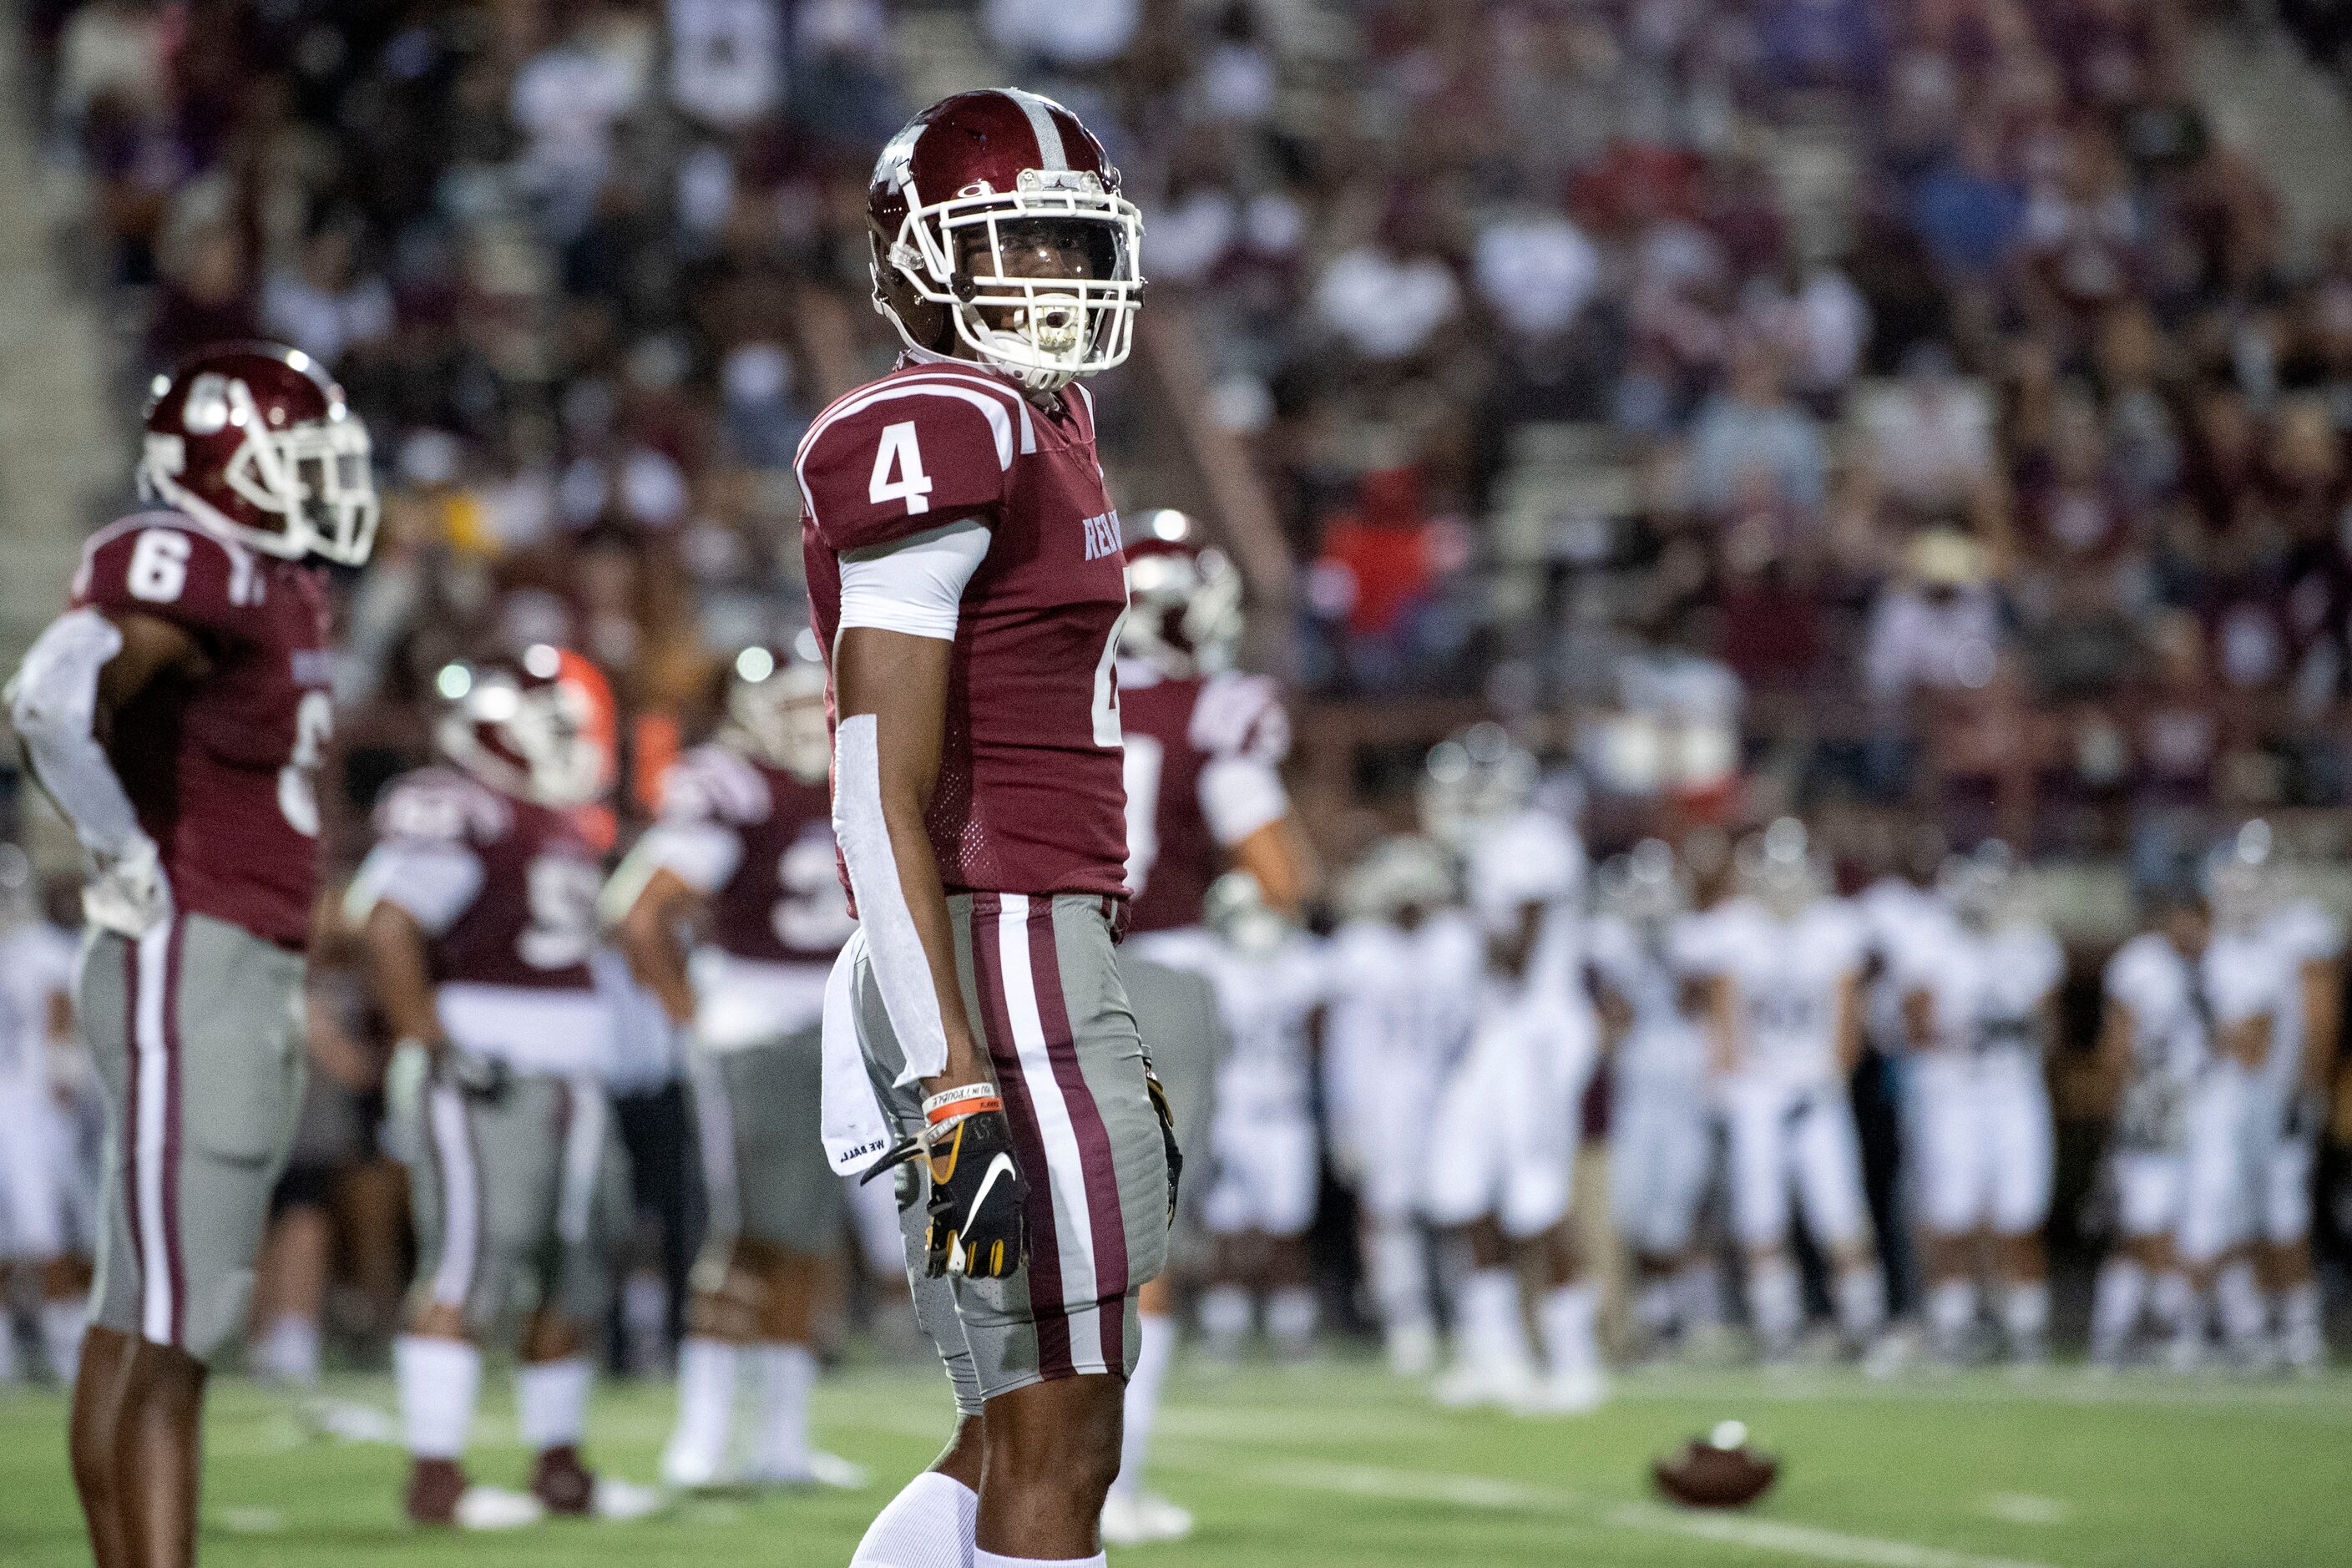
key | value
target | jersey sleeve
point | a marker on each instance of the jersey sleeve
(899, 459)
(162, 565)
(424, 862)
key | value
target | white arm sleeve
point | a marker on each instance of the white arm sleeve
(433, 881)
(914, 585)
(55, 707)
(1239, 794)
(896, 948)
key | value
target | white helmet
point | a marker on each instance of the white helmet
(1526, 858)
(1473, 779)
(1235, 909)
(1981, 886)
(1403, 872)
(1779, 870)
(776, 711)
(1642, 887)
(2243, 876)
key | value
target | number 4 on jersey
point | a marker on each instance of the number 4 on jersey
(899, 455)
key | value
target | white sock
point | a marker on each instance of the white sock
(706, 1406)
(289, 1351)
(2178, 1307)
(1225, 1315)
(1399, 1270)
(928, 1525)
(2244, 1314)
(1290, 1319)
(1773, 1302)
(1700, 1293)
(780, 1441)
(2025, 1314)
(1158, 1331)
(1566, 1315)
(990, 1560)
(62, 1323)
(1493, 1333)
(551, 1402)
(1951, 1313)
(645, 1320)
(2299, 1325)
(2115, 1304)
(1862, 1301)
(439, 1382)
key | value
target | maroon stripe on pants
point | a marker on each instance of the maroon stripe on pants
(1104, 1215)
(1045, 1305)
(172, 1055)
(131, 1122)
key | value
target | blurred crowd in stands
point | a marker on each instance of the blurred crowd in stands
(1914, 404)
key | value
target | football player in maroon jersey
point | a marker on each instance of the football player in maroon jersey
(1204, 744)
(743, 849)
(478, 907)
(175, 712)
(965, 575)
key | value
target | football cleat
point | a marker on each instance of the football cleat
(495, 1508)
(816, 1470)
(1412, 1350)
(1140, 1519)
(1564, 1394)
(1471, 1385)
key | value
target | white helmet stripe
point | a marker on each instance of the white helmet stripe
(1051, 154)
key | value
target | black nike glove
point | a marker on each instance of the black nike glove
(1159, 1092)
(977, 1197)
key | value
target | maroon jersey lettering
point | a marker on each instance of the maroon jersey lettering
(782, 902)
(1176, 730)
(532, 919)
(219, 766)
(1029, 797)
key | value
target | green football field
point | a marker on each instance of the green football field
(1337, 1464)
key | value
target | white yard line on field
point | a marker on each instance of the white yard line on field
(1494, 1493)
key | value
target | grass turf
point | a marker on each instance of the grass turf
(1338, 1464)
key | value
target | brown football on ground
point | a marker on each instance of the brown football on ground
(1704, 1476)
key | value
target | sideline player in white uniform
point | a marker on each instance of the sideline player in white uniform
(1403, 987)
(1785, 961)
(1899, 909)
(477, 906)
(1979, 1004)
(38, 1056)
(1660, 1142)
(743, 852)
(1264, 1165)
(1508, 1124)
(1202, 746)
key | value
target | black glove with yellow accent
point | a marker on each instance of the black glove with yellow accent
(977, 1197)
(1159, 1092)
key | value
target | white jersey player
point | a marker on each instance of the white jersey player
(1264, 1171)
(1402, 989)
(1785, 961)
(1508, 1124)
(1980, 991)
(1899, 911)
(38, 1138)
(1660, 1141)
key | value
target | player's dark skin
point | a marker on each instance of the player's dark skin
(136, 1438)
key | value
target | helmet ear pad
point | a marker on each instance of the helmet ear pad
(926, 322)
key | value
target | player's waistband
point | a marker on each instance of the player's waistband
(559, 1032)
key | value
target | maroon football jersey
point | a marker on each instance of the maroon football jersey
(220, 765)
(782, 901)
(1175, 729)
(531, 920)
(1029, 797)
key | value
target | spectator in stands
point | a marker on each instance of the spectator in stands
(1753, 449)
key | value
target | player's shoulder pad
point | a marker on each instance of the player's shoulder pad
(1241, 715)
(924, 446)
(165, 565)
(441, 805)
(714, 783)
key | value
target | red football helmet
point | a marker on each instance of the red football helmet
(981, 174)
(776, 711)
(540, 729)
(1184, 600)
(252, 439)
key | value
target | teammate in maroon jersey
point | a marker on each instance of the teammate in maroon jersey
(175, 713)
(743, 849)
(965, 572)
(477, 906)
(1204, 744)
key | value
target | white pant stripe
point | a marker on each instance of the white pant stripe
(714, 1129)
(1065, 1166)
(150, 1142)
(584, 1154)
(461, 1195)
